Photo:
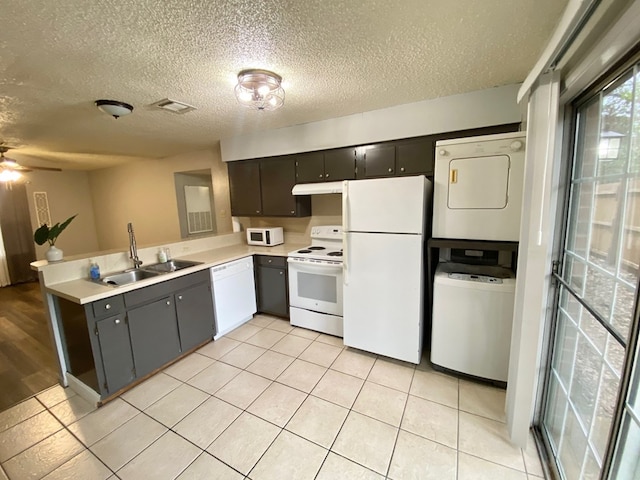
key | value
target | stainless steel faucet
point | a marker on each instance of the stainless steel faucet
(133, 249)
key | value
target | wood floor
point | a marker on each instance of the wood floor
(27, 359)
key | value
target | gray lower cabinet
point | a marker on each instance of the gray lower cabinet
(195, 315)
(133, 334)
(115, 348)
(154, 335)
(272, 289)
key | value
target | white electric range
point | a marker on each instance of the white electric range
(315, 282)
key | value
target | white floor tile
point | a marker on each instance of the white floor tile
(291, 345)
(151, 390)
(72, 409)
(189, 366)
(436, 387)
(392, 374)
(243, 443)
(207, 422)
(104, 420)
(214, 377)
(431, 420)
(335, 467)
(218, 348)
(380, 402)
(270, 365)
(338, 388)
(280, 325)
(488, 439)
(302, 375)
(19, 413)
(165, 459)
(320, 353)
(416, 457)
(473, 468)
(26, 434)
(243, 332)
(85, 465)
(173, 407)
(206, 467)
(266, 338)
(54, 395)
(354, 362)
(43, 457)
(127, 441)
(279, 463)
(483, 400)
(366, 441)
(318, 421)
(304, 333)
(243, 389)
(331, 340)
(242, 355)
(277, 403)
(260, 321)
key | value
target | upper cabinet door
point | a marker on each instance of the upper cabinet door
(413, 158)
(278, 177)
(244, 187)
(340, 164)
(310, 167)
(379, 160)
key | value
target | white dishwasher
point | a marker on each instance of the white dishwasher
(234, 294)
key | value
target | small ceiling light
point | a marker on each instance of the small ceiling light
(260, 89)
(10, 176)
(114, 108)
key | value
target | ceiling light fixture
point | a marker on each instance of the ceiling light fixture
(260, 89)
(114, 108)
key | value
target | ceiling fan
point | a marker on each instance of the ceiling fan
(10, 164)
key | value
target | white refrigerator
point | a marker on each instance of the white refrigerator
(383, 274)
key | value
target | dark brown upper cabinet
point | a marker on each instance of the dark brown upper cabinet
(379, 160)
(328, 166)
(415, 157)
(244, 188)
(277, 177)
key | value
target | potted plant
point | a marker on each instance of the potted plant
(45, 234)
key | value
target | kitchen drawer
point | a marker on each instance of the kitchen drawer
(271, 261)
(108, 306)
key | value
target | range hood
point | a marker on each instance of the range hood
(317, 188)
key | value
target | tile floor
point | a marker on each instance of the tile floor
(269, 401)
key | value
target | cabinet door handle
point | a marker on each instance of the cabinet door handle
(107, 306)
(168, 302)
(320, 176)
(117, 321)
(281, 272)
(257, 211)
(269, 261)
(326, 175)
(391, 170)
(402, 169)
(293, 212)
(179, 297)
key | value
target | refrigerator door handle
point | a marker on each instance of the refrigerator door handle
(345, 229)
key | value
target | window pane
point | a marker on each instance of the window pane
(604, 411)
(622, 314)
(573, 448)
(565, 349)
(554, 413)
(580, 225)
(586, 377)
(627, 462)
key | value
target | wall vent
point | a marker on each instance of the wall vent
(173, 106)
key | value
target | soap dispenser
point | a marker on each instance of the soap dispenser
(94, 270)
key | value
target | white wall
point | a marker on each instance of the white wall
(494, 106)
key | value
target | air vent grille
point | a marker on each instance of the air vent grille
(173, 106)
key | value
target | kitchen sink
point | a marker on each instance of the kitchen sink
(128, 276)
(170, 266)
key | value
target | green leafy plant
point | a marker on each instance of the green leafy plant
(45, 234)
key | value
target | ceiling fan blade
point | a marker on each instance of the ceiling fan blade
(50, 169)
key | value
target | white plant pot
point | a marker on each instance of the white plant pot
(54, 254)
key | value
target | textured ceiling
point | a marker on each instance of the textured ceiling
(336, 58)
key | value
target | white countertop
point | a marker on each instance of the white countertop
(84, 291)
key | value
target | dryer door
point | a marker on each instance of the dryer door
(479, 182)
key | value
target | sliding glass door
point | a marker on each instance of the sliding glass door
(597, 277)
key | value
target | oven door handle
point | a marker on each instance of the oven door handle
(313, 267)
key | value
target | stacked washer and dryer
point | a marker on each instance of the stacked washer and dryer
(477, 198)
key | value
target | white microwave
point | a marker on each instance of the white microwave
(267, 237)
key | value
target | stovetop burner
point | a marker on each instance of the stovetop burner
(335, 254)
(317, 248)
(306, 250)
